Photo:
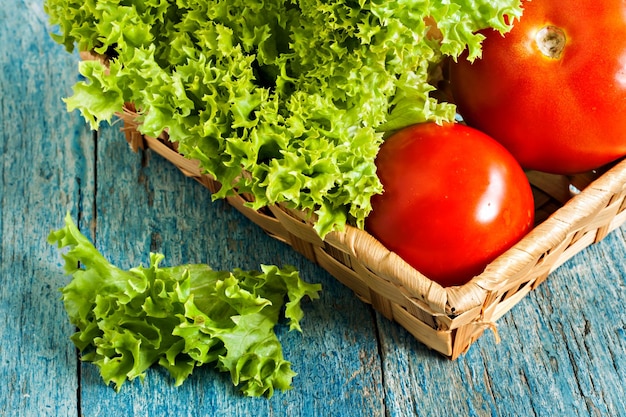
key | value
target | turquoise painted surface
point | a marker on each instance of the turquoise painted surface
(563, 347)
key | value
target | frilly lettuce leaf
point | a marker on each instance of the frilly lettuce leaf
(180, 317)
(298, 93)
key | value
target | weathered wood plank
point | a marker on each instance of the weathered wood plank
(562, 352)
(43, 175)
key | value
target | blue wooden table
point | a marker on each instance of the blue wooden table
(563, 349)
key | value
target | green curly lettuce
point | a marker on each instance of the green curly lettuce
(298, 93)
(180, 317)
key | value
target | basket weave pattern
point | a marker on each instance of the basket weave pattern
(447, 320)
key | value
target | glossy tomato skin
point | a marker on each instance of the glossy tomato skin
(562, 115)
(454, 199)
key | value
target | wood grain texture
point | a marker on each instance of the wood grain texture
(39, 139)
(562, 351)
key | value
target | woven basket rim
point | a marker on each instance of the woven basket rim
(455, 300)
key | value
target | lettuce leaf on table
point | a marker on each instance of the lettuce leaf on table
(180, 317)
(299, 93)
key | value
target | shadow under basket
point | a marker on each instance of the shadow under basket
(572, 212)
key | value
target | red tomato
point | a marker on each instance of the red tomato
(454, 199)
(553, 90)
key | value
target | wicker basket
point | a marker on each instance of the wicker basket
(571, 212)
